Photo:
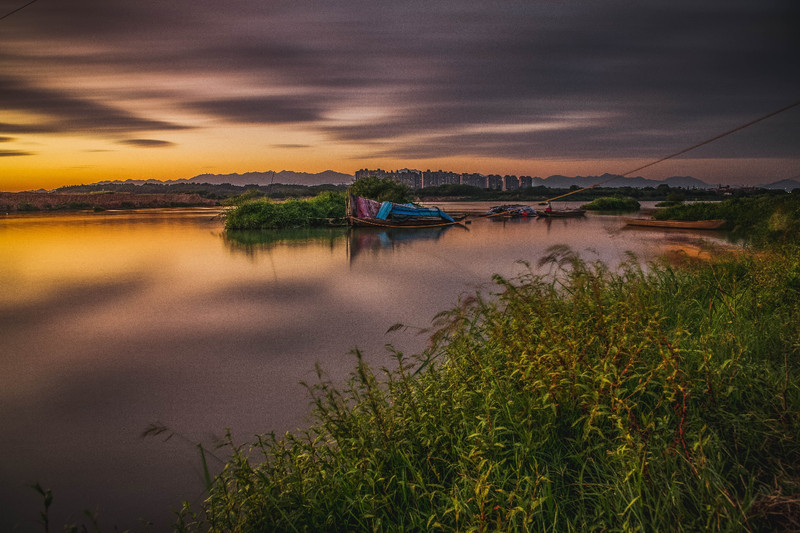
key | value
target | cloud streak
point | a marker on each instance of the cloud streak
(64, 112)
(146, 143)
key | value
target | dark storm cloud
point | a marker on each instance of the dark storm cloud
(664, 77)
(146, 143)
(262, 109)
(660, 75)
(66, 113)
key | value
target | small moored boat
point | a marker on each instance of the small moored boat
(366, 212)
(511, 211)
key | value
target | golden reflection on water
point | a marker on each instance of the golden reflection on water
(42, 253)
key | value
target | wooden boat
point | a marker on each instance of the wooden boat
(561, 213)
(510, 211)
(370, 213)
(676, 224)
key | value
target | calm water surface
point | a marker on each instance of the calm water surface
(113, 321)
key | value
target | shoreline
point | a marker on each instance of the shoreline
(23, 202)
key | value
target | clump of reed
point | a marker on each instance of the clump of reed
(324, 209)
(663, 398)
(612, 203)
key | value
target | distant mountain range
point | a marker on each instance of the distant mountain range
(786, 185)
(289, 177)
(610, 180)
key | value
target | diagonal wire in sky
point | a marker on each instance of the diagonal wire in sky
(18, 9)
(698, 145)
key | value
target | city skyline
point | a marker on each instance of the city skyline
(95, 91)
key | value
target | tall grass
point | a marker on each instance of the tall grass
(659, 399)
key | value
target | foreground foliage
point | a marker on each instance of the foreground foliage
(658, 399)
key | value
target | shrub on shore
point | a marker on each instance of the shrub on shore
(612, 203)
(382, 190)
(765, 218)
(324, 209)
(656, 399)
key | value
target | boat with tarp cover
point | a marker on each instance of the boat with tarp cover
(365, 212)
(510, 211)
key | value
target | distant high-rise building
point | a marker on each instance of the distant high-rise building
(495, 182)
(435, 178)
(410, 177)
(476, 180)
(377, 173)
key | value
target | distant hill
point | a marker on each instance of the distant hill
(786, 185)
(564, 182)
(286, 177)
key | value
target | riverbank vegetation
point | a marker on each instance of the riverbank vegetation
(612, 203)
(657, 398)
(382, 190)
(763, 218)
(250, 213)
(27, 202)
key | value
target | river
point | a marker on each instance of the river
(111, 322)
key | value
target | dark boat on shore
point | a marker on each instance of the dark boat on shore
(370, 213)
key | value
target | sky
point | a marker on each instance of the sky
(93, 90)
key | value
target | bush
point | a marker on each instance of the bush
(247, 196)
(382, 190)
(612, 203)
(27, 206)
(325, 209)
(765, 217)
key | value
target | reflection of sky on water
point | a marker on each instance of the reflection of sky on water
(110, 322)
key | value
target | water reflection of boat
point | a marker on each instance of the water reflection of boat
(366, 212)
(374, 240)
(677, 224)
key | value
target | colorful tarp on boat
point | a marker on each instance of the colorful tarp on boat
(366, 208)
(400, 211)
